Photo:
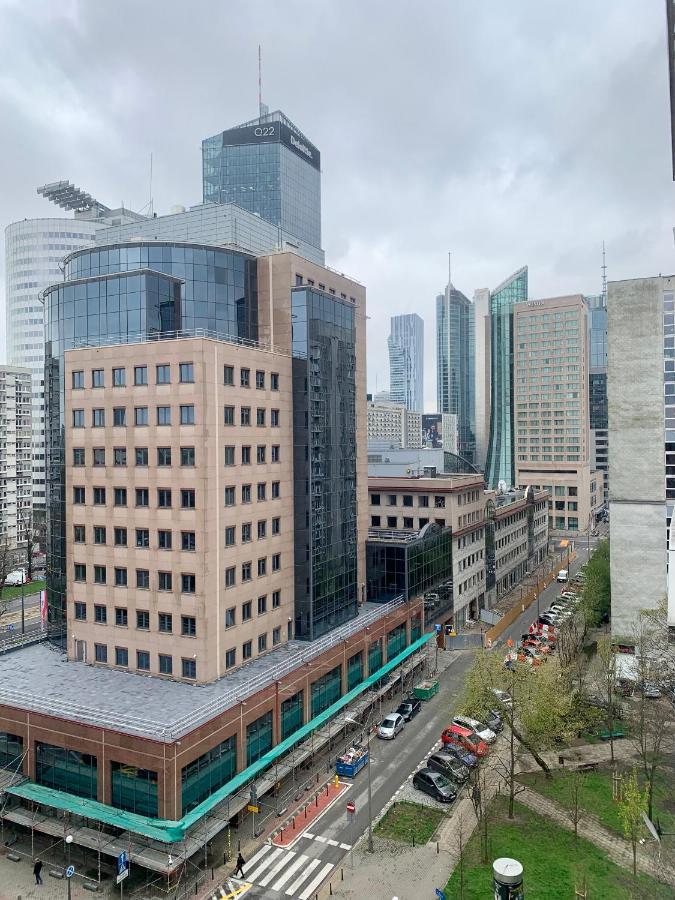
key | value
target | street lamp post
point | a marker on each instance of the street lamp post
(69, 841)
(370, 791)
(23, 616)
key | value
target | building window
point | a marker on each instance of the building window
(245, 455)
(245, 532)
(141, 456)
(79, 534)
(98, 456)
(141, 415)
(229, 536)
(81, 612)
(97, 378)
(164, 456)
(274, 381)
(120, 577)
(186, 373)
(245, 415)
(142, 579)
(165, 581)
(99, 496)
(188, 583)
(276, 525)
(121, 656)
(120, 496)
(261, 452)
(188, 626)
(262, 490)
(142, 619)
(78, 495)
(392, 522)
(140, 375)
(276, 453)
(66, 770)
(276, 636)
(245, 377)
(229, 455)
(228, 375)
(374, 499)
(163, 374)
(78, 381)
(246, 611)
(276, 490)
(101, 653)
(119, 456)
(78, 418)
(163, 415)
(262, 605)
(204, 775)
(187, 414)
(134, 789)
(231, 617)
(119, 417)
(246, 493)
(246, 571)
(187, 456)
(142, 497)
(247, 649)
(98, 418)
(229, 496)
(262, 643)
(276, 562)
(142, 538)
(230, 576)
(274, 418)
(119, 377)
(143, 660)
(260, 380)
(99, 534)
(262, 529)
(260, 417)
(189, 668)
(407, 500)
(375, 521)
(230, 658)
(100, 614)
(276, 599)
(163, 498)
(188, 541)
(121, 617)
(187, 498)
(165, 664)
(78, 456)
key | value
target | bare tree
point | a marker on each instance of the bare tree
(29, 535)
(575, 785)
(631, 807)
(7, 564)
(605, 679)
(479, 799)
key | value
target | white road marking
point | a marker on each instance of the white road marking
(254, 859)
(323, 874)
(308, 835)
(320, 838)
(345, 846)
(291, 870)
(276, 868)
(332, 843)
(251, 876)
(298, 881)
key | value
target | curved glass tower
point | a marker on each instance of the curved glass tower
(119, 294)
(500, 457)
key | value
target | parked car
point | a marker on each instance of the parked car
(494, 721)
(470, 760)
(409, 708)
(563, 575)
(484, 733)
(650, 690)
(390, 726)
(447, 765)
(435, 785)
(465, 737)
(503, 697)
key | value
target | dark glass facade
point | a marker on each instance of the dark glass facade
(203, 776)
(326, 690)
(456, 355)
(598, 400)
(409, 565)
(259, 738)
(134, 789)
(269, 168)
(120, 294)
(66, 770)
(324, 455)
(292, 715)
(11, 750)
(500, 465)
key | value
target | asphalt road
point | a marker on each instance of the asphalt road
(299, 871)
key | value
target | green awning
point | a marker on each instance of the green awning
(169, 831)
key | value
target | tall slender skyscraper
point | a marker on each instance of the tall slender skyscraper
(500, 462)
(406, 361)
(270, 168)
(455, 349)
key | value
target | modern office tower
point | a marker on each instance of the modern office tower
(551, 421)
(406, 361)
(394, 424)
(641, 413)
(481, 305)
(268, 167)
(670, 36)
(16, 424)
(455, 347)
(131, 294)
(597, 387)
(500, 463)
(34, 249)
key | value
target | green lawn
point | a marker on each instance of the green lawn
(406, 822)
(553, 864)
(9, 593)
(596, 795)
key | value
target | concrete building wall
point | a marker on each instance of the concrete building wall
(15, 455)
(637, 500)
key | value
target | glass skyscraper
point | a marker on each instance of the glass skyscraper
(500, 465)
(455, 356)
(597, 386)
(324, 461)
(267, 166)
(406, 361)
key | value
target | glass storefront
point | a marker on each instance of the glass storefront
(408, 565)
(203, 776)
(11, 750)
(354, 670)
(134, 789)
(326, 690)
(396, 641)
(292, 714)
(66, 770)
(375, 660)
(259, 738)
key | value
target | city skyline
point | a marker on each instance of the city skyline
(107, 146)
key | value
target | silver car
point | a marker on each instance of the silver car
(484, 733)
(390, 727)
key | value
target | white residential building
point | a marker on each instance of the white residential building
(15, 453)
(394, 424)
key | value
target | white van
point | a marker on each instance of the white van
(562, 575)
(14, 579)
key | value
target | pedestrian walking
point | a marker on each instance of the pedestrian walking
(37, 868)
(240, 865)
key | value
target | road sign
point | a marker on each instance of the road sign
(351, 807)
(122, 866)
(438, 628)
(253, 809)
(10, 627)
(440, 894)
(122, 875)
(70, 871)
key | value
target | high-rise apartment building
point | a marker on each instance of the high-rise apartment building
(34, 249)
(455, 348)
(15, 455)
(597, 387)
(393, 424)
(268, 167)
(641, 413)
(406, 361)
(670, 38)
(551, 420)
(481, 305)
(257, 321)
(500, 462)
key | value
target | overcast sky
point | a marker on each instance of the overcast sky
(509, 133)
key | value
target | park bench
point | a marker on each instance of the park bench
(587, 767)
(607, 735)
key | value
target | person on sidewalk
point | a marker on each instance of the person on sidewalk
(240, 865)
(37, 868)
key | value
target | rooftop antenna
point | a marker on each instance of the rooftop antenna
(263, 108)
(604, 276)
(151, 204)
(449, 275)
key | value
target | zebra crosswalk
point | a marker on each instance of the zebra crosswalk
(287, 871)
(231, 889)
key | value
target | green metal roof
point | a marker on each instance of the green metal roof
(168, 831)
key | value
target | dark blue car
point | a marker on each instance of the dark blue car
(468, 759)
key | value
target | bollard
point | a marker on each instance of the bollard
(317, 777)
(327, 787)
(281, 834)
(293, 823)
(316, 800)
(211, 873)
(413, 840)
(438, 849)
(330, 888)
(342, 874)
(305, 812)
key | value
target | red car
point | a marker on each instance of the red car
(465, 738)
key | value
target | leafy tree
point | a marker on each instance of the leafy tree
(597, 593)
(631, 806)
(604, 676)
(7, 565)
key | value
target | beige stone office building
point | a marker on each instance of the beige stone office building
(392, 423)
(516, 537)
(551, 415)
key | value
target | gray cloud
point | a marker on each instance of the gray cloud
(509, 133)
